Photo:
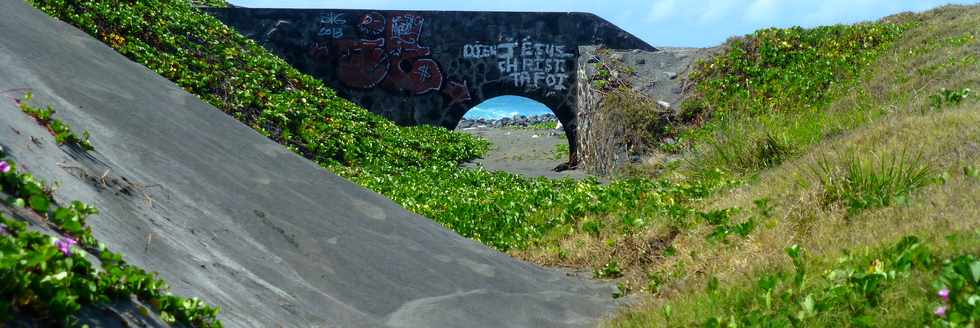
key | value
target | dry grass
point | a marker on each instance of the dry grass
(887, 113)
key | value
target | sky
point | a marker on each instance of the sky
(662, 23)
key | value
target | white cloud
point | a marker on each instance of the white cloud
(661, 10)
(714, 11)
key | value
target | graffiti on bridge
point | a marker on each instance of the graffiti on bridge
(386, 52)
(527, 64)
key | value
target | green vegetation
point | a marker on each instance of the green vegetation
(507, 211)
(855, 290)
(775, 69)
(743, 95)
(61, 132)
(49, 278)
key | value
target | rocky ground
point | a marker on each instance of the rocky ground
(516, 121)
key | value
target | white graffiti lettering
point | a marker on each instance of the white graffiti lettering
(527, 64)
(406, 25)
(332, 25)
(333, 19)
(331, 32)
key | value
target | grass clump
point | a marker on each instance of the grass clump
(948, 98)
(61, 132)
(862, 184)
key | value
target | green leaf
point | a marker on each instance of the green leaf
(61, 215)
(975, 271)
(808, 306)
(713, 284)
(793, 251)
(39, 204)
(167, 317)
(863, 321)
(55, 277)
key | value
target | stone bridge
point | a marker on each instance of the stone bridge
(431, 67)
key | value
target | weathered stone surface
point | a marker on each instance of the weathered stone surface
(428, 67)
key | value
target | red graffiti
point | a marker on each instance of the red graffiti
(372, 24)
(388, 54)
(362, 63)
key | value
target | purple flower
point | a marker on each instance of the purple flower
(4, 167)
(64, 245)
(944, 293)
(940, 311)
(3, 229)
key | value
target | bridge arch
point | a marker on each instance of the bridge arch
(431, 67)
(567, 121)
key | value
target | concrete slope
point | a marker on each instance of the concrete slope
(232, 217)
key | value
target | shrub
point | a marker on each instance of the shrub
(861, 184)
(761, 99)
(785, 69)
(61, 132)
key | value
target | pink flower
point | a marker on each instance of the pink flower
(4, 167)
(64, 245)
(940, 311)
(944, 293)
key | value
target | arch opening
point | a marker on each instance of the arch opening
(529, 137)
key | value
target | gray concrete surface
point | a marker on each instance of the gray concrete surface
(229, 216)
